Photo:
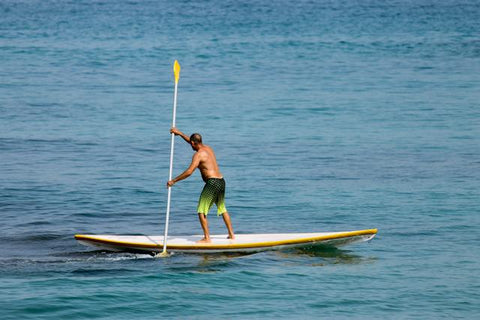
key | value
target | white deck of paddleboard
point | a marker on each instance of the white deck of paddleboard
(220, 243)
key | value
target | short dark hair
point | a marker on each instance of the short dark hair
(196, 137)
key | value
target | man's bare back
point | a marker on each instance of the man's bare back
(204, 159)
(207, 163)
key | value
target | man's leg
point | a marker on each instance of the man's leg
(204, 224)
(228, 223)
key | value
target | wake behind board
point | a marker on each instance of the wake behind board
(220, 243)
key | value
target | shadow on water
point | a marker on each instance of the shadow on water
(213, 262)
(324, 252)
(203, 262)
(328, 256)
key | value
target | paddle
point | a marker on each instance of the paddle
(176, 72)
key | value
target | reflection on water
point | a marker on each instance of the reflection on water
(219, 262)
(205, 262)
(329, 255)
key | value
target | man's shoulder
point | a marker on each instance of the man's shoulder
(205, 148)
(202, 152)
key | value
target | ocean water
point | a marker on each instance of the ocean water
(325, 116)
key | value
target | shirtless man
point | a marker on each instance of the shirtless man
(214, 189)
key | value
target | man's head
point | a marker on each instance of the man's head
(195, 141)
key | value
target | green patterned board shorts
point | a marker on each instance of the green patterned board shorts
(213, 192)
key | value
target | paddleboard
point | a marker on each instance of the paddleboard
(219, 243)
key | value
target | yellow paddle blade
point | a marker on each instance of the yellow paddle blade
(163, 254)
(176, 70)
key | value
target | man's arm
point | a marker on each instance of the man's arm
(187, 173)
(177, 132)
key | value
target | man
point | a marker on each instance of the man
(214, 189)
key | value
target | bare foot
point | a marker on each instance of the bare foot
(204, 240)
(231, 237)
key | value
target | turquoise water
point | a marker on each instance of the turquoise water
(325, 116)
